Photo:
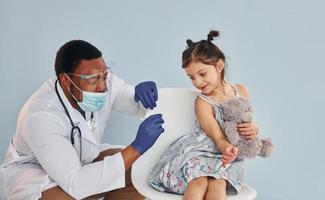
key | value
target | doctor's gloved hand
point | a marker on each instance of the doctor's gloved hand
(147, 93)
(148, 132)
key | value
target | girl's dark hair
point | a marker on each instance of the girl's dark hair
(204, 51)
(71, 53)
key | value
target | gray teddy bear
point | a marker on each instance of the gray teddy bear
(235, 111)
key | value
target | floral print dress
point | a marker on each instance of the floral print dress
(195, 155)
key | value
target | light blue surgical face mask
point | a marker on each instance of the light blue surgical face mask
(91, 101)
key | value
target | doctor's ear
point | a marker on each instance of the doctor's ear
(63, 79)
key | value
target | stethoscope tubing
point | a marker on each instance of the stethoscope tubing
(75, 128)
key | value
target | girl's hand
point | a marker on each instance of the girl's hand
(229, 155)
(248, 130)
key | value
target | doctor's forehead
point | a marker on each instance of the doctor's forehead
(92, 66)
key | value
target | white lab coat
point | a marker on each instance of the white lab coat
(41, 155)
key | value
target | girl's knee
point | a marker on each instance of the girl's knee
(216, 189)
(196, 189)
(201, 182)
(219, 183)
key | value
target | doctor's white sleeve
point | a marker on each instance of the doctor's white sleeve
(46, 135)
(123, 98)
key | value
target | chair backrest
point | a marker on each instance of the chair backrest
(177, 108)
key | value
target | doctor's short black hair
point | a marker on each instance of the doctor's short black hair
(71, 53)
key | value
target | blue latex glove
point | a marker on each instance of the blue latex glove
(148, 132)
(147, 93)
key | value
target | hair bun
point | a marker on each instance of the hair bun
(190, 43)
(212, 35)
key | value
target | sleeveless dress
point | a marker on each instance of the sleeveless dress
(195, 155)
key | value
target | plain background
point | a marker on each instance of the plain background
(275, 48)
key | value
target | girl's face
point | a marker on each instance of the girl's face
(205, 77)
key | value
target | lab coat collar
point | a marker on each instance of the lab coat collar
(77, 118)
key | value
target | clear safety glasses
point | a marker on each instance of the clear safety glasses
(94, 79)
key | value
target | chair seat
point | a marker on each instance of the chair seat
(177, 108)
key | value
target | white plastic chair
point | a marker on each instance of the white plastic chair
(177, 108)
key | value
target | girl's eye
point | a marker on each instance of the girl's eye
(203, 74)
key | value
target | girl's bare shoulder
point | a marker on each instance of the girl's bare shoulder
(243, 91)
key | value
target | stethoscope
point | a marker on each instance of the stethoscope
(75, 129)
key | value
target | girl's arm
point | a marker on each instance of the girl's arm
(205, 116)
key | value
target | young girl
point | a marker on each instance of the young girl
(203, 165)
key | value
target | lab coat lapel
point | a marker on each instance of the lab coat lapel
(77, 118)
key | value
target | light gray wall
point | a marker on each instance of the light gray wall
(275, 48)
